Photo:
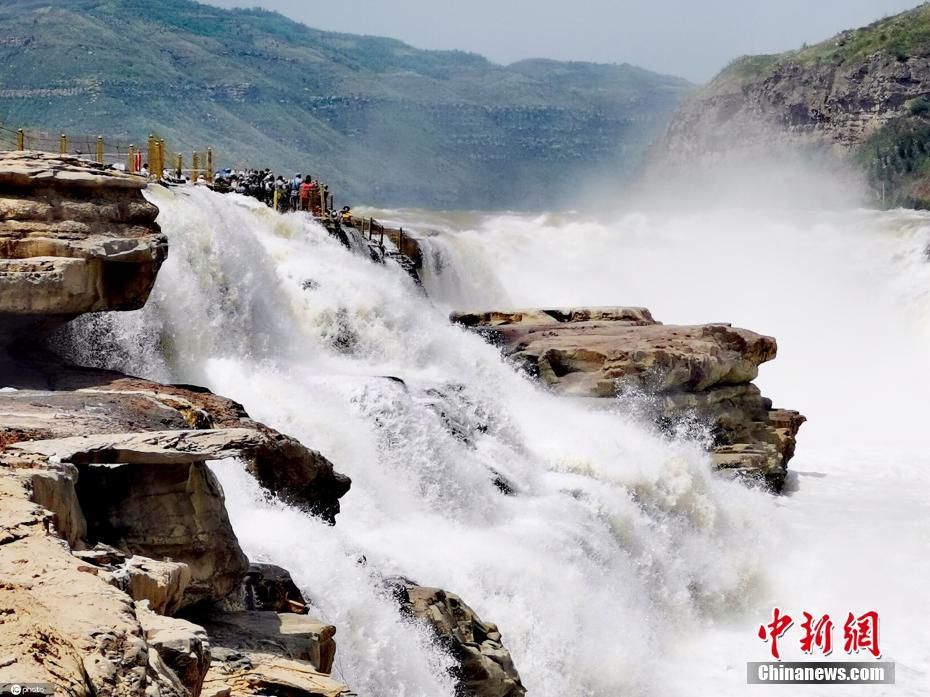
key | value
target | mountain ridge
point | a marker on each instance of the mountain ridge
(380, 120)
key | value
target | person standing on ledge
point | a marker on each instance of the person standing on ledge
(305, 188)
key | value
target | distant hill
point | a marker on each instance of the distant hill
(382, 121)
(863, 95)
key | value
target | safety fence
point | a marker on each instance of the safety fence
(373, 229)
(150, 156)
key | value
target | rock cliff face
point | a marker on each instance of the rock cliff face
(73, 239)
(861, 95)
(703, 372)
(111, 522)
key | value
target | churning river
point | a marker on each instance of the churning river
(622, 566)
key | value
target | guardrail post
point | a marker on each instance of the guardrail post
(210, 165)
(151, 153)
(195, 168)
(99, 150)
(21, 139)
(63, 144)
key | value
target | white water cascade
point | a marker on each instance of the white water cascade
(621, 565)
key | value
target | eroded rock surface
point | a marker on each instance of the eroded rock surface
(485, 668)
(702, 371)
(74, 238)
(110, 518)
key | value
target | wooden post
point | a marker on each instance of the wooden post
(180, 167)
(195, 168)
(370, 226)
(162, 159)
(99, 150)
(400, 239)
(210, 165)
(132, 158)
(151, 153)
(381, 241)
(21, 139)
(63, 144)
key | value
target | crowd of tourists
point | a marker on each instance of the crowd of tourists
(300, 193)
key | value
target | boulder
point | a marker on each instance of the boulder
(269, 587)
(270, 653)
(161, 584)
(484, 666)
(170, 511)
(701, 372)
(183, 646)
(297, 637)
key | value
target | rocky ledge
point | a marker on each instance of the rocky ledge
(120, 574)
(73, 239)
(677, 373)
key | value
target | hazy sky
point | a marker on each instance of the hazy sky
(691, 38)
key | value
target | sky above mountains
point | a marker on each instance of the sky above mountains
(680, 37)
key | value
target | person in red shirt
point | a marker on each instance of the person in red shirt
(305, 188)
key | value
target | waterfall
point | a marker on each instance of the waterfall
(619, 558)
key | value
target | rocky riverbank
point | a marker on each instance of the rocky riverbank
(120, 573)
(678, 373)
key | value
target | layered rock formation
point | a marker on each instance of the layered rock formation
(111, 521)
(861, 96)
(678, 372)
(73, 239)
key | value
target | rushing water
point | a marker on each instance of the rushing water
(620, 565)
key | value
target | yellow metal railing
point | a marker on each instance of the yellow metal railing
(111, 151)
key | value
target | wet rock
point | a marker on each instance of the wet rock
(485, 667)
(701, 372)
(269, 587)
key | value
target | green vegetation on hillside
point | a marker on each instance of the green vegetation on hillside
(897, 158)
(903, 35)
(867, 89)
(380, 120)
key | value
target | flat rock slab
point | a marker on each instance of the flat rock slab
(151, 448)
(593, 352)
(43, 400)
(703, 371)
(287, 635)
(29, 168)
